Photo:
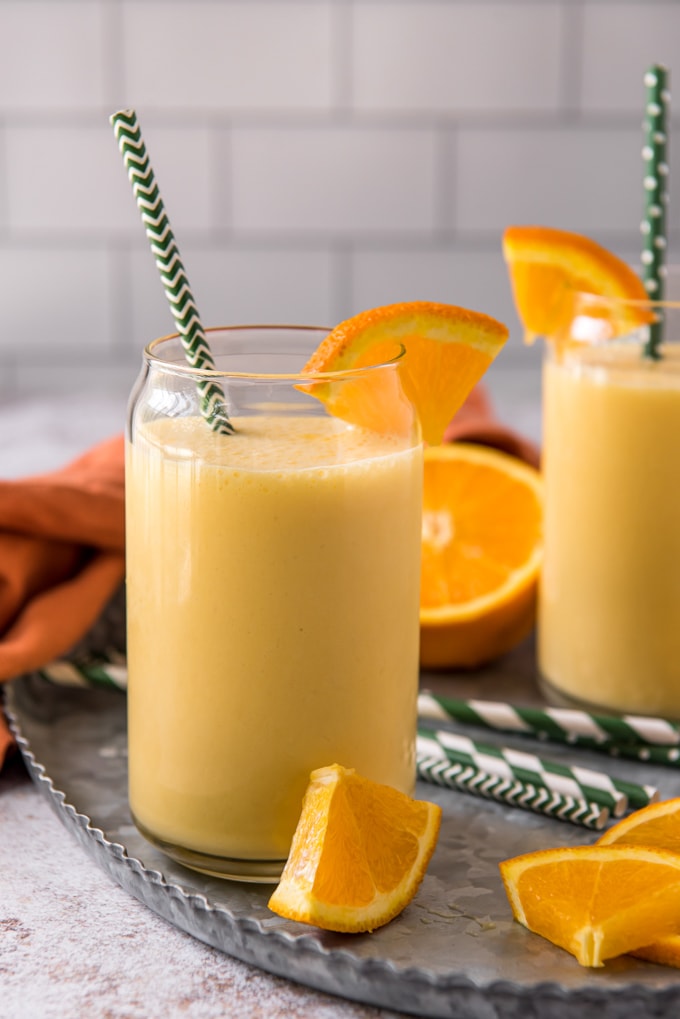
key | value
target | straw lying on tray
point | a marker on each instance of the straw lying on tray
(635, 736)
(110, 671)
(469, 778)
(579, 783)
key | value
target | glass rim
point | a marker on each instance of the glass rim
(183, 368)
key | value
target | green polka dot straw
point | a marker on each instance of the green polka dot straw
(653, 226)
(169, 263)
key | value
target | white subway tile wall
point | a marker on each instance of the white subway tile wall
(316, 157)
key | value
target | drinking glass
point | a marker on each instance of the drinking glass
(273, 592)
(609, 605)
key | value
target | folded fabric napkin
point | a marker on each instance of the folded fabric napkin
(62, 545)
(62, 557)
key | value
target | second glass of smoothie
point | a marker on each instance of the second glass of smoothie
(273, 595)
(609, 614)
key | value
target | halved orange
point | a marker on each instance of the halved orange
(656, 827)
(447, 350)
(359, 853)
(548, 267)
(481, 554)
(596, 902)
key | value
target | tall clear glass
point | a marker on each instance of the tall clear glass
(609, 607)
(273, 593)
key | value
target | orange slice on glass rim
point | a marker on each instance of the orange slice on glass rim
(548, 267)
(481, 546)
(597, 902)
(359, 853)
(447, 350)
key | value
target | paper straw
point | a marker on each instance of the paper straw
(169, 263)
(105, 672)
(513, 793)
(562, 725)
(520, 766)
(646, 755)
(653, 226)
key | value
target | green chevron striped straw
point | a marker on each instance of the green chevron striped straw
(169, 263)
(653, 226)
(436, 768)
(579, 783)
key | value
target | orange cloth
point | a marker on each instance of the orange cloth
(476, 422)
(62, 546)
(62, 543)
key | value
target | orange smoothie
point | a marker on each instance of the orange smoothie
(273, 593)
(609, 618)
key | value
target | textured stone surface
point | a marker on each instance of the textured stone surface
(73, 943)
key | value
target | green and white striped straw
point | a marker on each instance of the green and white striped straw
(653, 226)
(562, 725)
(579, 783)
(109, 672)
(169, 263)
(470, 779)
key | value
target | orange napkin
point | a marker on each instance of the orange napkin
(476, 422)
(62, 543)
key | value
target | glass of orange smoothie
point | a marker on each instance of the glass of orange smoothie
(609, 612)
(273, 595)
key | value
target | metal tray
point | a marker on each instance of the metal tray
(454, 952)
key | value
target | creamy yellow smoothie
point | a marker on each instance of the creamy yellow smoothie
(609, 616)
(273, 591)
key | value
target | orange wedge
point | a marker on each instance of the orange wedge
(596, 902)
(665, 951)
(481, 553)
(656, 827)
(358, 855)
(447, 350)
(548, 267)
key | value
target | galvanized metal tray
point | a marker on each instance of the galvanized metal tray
(454, 952)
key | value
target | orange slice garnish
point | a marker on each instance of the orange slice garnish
(481, 554)
(359, 853)
(447, 350)
(548, 267)
(597, 902)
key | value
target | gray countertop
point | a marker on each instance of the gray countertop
(72, 942)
